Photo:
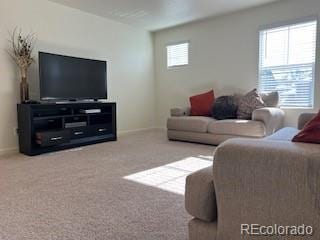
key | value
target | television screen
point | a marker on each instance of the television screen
(71, 78)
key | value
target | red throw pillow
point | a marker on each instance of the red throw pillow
(310, 133)
(201, 104)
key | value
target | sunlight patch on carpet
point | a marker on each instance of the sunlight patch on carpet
(171, 177)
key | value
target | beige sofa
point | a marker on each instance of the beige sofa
(265, 182)
(182, 127)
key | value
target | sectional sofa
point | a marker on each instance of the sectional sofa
(270, 182)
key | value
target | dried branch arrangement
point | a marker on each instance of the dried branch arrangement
(21, 50)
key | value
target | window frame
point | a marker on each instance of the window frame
(173, 44)
(315, 64)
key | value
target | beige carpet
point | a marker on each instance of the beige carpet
(129, 189)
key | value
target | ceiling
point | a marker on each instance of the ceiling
(154, 15)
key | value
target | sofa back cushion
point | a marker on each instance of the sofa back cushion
(305, 118)
(311, 132)
(271, 99)
(201, 104)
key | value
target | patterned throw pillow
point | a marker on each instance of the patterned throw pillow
(248, 103)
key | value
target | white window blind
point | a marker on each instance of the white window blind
(287, 63)
(178, 55)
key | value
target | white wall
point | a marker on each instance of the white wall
(223, 55)
(59, 29)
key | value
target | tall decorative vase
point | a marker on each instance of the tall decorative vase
(24, 87)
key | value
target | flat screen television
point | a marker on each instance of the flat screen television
(71, 78)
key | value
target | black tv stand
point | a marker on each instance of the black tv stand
(48, 127)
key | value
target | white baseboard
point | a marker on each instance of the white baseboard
(160, 128)
(127, 132)
(8, 151)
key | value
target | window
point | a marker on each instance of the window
(178, 55)
(287, 63)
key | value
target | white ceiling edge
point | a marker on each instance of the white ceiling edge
(211, 17)
(158, 15)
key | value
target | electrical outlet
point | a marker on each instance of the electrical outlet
(15, 131)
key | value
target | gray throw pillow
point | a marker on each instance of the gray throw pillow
(248, 103)
(271, 99)
(225, 107)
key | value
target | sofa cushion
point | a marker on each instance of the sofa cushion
(189, 123)
(284, 134)
(238, 127)
(198, 137)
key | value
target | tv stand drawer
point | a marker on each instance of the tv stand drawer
(101, 129)
(79, 133)
(52, 138)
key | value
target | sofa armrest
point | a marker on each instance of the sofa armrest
(266, 182)
(273, 118)
(179, 112)
(304, 118)
(200, 199)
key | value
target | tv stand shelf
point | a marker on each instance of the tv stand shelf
(50, 127)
